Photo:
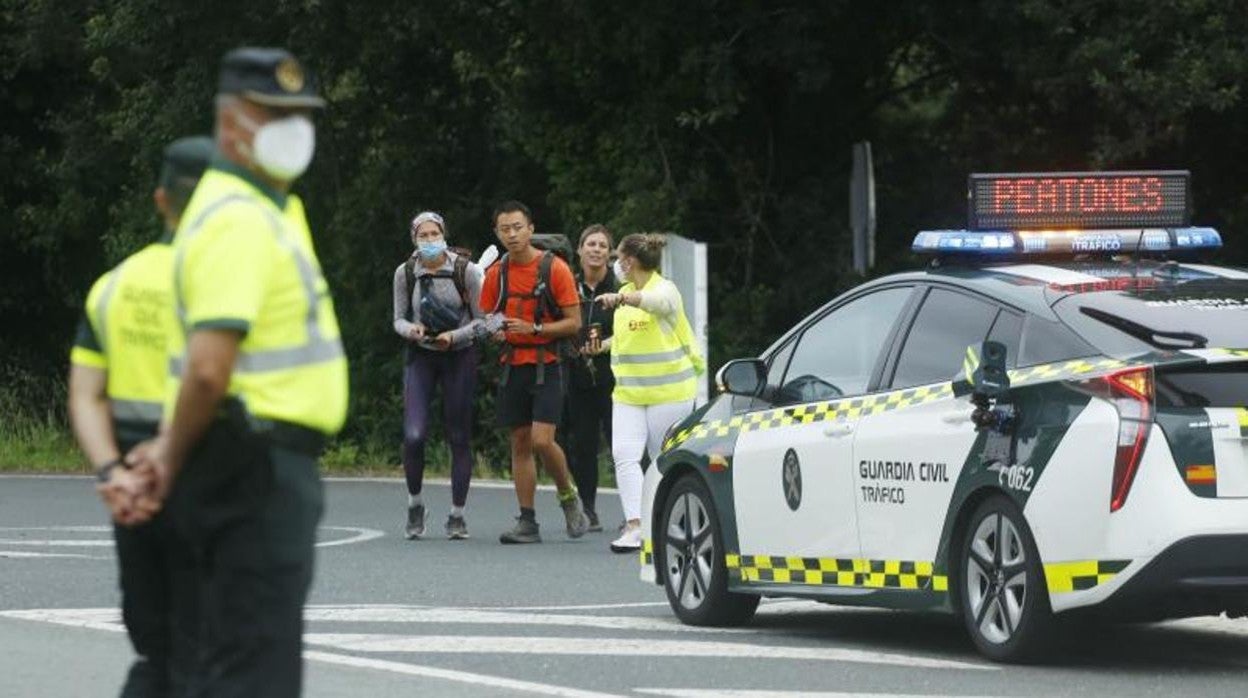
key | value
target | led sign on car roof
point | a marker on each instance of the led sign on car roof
(1079, 200)
(1073, 213)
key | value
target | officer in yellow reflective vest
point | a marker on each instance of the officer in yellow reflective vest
(258, 383)
(117, 377)
(655, 359)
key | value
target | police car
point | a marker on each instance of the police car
(1047, 421)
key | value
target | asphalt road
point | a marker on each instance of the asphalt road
(389, 617)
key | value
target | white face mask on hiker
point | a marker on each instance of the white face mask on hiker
(282, 148)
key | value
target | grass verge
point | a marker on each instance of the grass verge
(41, 445)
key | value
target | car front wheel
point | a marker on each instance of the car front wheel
(692, 556)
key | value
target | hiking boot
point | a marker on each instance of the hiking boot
(629, 541)
(456, 528)
(575, 517)
(415, 522)
(525, 531)
(594, 525)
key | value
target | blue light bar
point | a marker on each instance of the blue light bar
(964, 242)
(1064, 242)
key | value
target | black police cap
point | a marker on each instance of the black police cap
(186, 158)
(268, 76)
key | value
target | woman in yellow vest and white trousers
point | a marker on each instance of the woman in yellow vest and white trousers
(656, 363)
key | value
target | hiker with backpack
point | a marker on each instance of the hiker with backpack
(535, 294)
(656, 361)
(436, 309)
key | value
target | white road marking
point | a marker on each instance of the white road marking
(358, 535)
(704, 693)
(1212, 624)
(458, 616)
(94, 618)
(361, 535)
(583, 607)
(14, 554)
(617, 647)
(451, 675)
(70, 529)
(62, 543)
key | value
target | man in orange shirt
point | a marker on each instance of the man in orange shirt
(539, 308)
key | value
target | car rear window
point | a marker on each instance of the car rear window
(1206, 312)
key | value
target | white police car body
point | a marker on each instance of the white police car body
(851, 464)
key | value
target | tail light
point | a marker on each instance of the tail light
(1131, 393)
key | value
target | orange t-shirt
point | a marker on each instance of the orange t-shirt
(521, 279)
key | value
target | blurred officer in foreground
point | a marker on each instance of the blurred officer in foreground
(117, 377)
(259, 384)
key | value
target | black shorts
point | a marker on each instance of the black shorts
(521, 401)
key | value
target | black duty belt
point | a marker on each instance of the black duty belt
(295, 437)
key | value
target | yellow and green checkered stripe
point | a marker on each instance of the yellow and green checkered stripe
(853, 408)
(840, 572)
(1081, 575)
(1242, 413)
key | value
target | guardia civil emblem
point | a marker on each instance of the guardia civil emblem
(792, 479)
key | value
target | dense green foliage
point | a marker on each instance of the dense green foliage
(729, 121)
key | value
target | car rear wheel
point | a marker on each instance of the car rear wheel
(691, 554)
(1004, 598)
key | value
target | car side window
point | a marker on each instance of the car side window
(947, 323)
(836, 355)
(779, 362)
(1007, 330)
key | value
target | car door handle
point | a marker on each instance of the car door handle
(838, 430)
(959, 417)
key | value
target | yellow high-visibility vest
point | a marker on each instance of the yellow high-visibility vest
(130, 322)
(655, 360)
(244, 261)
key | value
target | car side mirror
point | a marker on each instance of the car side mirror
(984, 372)
(746, 377)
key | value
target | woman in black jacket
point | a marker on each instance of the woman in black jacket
(588, 406)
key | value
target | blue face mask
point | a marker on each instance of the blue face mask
(430, 250)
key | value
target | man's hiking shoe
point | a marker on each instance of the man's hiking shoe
(525, 531)
(575, 517)
(415, 522)
(456, 528)
(594, 525)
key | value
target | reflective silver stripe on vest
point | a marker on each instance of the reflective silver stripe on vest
(652, 381)
(136, 410)
(316, 350)
(101, 307)
(657, 357)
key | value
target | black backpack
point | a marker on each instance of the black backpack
(546, 305)
(435, 316)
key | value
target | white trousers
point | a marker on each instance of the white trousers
(637, 430)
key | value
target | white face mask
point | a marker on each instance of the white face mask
(621, 274)
(283, 148)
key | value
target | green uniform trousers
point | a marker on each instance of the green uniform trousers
(159, 602)
(251, 512)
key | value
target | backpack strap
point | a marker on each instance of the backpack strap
(409, 270)
(500, 306)
(460, 276)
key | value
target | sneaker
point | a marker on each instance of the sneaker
(525, 531)
(629, 541)
(415, 522)
(594, 525)
(575, 517)
(456, 528)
